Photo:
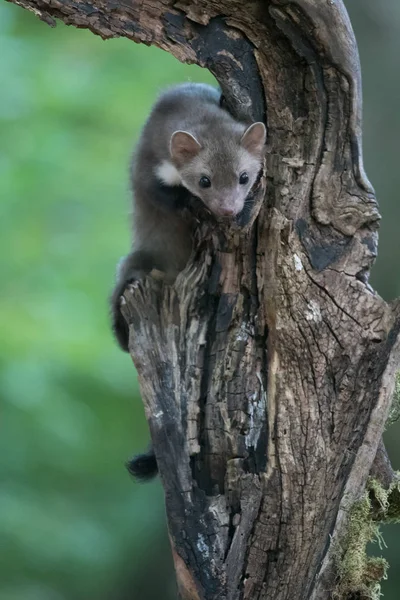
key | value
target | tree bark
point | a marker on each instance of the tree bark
(267, 369)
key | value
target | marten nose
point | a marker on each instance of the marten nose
(227, 211)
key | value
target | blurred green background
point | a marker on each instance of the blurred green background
(73, 525)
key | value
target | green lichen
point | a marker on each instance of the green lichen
(359, 575)
(385, 502)
(379, 497)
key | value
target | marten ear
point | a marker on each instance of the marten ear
(254, 138)
(183, 147)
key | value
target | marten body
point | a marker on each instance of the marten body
(189, 146)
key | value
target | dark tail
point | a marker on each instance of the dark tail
(143, 466)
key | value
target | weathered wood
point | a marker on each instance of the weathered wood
(267, 369)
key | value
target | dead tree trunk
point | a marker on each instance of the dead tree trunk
(267, 369)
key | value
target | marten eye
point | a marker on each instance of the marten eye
(244, 178)
(205, 182)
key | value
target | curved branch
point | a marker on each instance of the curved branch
(331, 30)
(266, 369)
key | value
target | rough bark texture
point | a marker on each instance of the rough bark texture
(267, 369)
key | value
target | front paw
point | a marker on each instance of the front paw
(119, 324)
(131, 268)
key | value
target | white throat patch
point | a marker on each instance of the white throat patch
(167, 173)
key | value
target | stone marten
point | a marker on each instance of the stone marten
(189, 146)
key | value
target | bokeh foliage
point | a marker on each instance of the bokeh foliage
(73, 526)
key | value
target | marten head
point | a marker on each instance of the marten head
(219, 165)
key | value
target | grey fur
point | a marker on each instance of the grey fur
(225, 149)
